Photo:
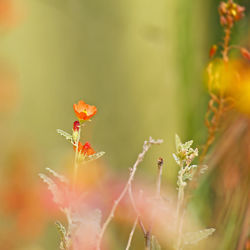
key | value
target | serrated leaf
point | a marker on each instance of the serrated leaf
(93, 157)
(56, 193)
(63, 235)
(58, 176)
(188, 175)
(155, 244)
(67, 136)
(188, 144)
(194, 237)
(196, 152)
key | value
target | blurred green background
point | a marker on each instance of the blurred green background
(140, 62)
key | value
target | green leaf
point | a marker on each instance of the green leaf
(94, 156)
(155, 244)
(58, 176)
(63, 235)
(188, 144)
(194, 237)
(187, 176)
(67, 136)
(189, 173)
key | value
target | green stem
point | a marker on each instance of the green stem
(180, 213)
(76, 160)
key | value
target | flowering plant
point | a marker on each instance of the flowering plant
(64, 191)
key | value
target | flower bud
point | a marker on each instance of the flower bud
(245, 53)
(223, 8)
(230, 13)
(76, 128)
(213, 50)
(223, 21)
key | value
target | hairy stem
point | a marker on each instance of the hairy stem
(146, 147)
(134, 226)
(213, 127)
(180, 205)
(226, 43)
(132, 200)
(158, 183)
(157, 197)
(76, 159)
(132, 233)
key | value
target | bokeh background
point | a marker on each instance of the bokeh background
(142, 63)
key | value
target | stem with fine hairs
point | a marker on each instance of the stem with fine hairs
(132, 200)
(179, 211)
(76, 159)
(137, 219)
(157, 197)
(132, 233)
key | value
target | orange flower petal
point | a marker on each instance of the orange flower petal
(85, 149)
(84, 111)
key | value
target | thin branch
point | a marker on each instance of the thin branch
(146, 147)
(136, 210)
(158, 183)
(157, 196)
(134, 226)
(180, 205)
(76, 159)
(132, 233)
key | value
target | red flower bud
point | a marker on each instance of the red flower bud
(245, 53)
(230, 13)
(223, 8)
(239, 12)
(223, 21)
(213, 50)
(76, 126)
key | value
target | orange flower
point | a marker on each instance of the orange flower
(85, 149)
(84, 111)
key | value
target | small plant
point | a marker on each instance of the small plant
(221, 72)
(184, 157)
(80, 218)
